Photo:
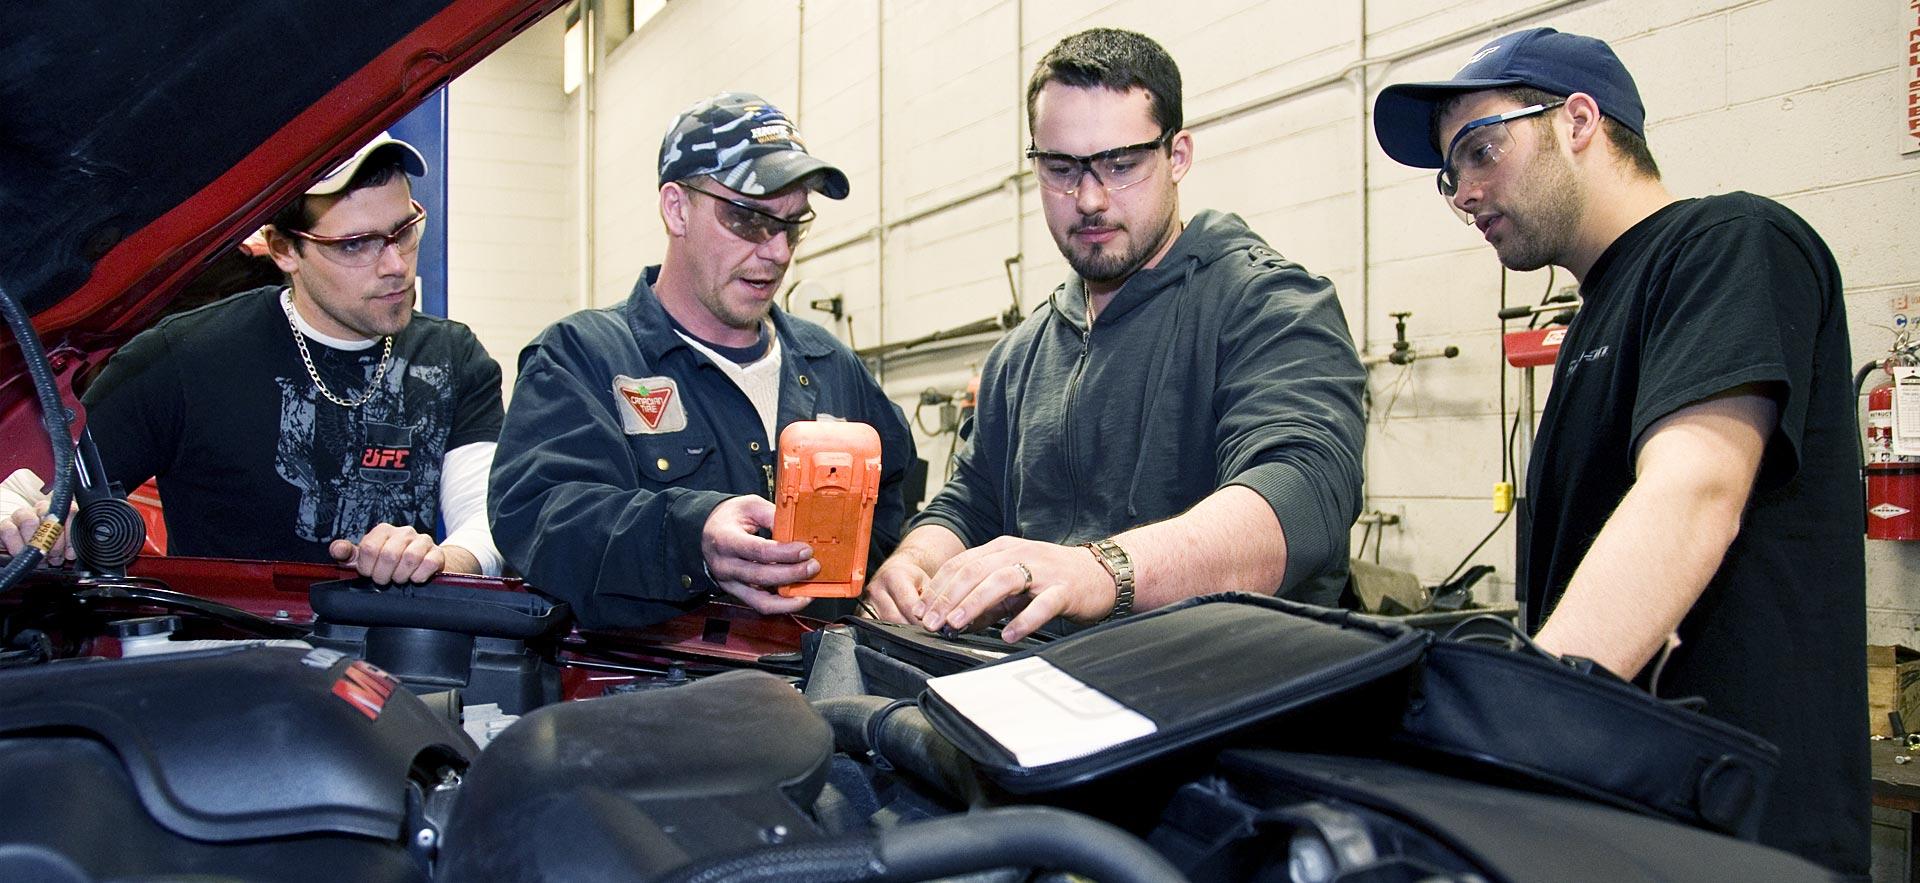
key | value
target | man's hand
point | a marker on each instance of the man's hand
(389, 554)
(751, 567)
(896, 588)
(19, 527)
(1039, 580)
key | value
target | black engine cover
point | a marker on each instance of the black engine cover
(215, 746)
(629, 787)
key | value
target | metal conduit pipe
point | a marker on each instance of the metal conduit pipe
(1019, 155)
(881, 227)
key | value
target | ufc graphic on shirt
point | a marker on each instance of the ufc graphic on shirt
(358, 467)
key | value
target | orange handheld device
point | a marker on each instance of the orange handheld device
(829, 479)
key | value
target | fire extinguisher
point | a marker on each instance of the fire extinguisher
(1893, 481)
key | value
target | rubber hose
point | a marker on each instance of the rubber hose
(54, 418)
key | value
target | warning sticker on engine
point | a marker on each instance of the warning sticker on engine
(365, 687)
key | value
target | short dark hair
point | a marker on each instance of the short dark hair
(295, 215)
(1113, 59)
(1631, 146)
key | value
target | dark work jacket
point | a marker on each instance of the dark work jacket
(610, 522)
(1223, 364)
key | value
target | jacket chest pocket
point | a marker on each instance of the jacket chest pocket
(673, 460)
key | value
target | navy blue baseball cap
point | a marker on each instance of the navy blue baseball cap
(1541, 58)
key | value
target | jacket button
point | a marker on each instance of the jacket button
(803, 380)
(686, 581)
(753, 446)
(661, 464)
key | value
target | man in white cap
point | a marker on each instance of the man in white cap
(320, 420)
(636, 466)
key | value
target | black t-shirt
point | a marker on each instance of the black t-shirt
(253, 462)
(1704, 296)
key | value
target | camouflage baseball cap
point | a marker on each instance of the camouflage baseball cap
(747, 145)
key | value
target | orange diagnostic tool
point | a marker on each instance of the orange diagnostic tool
(829, 479)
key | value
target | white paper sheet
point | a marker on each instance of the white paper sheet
(1038, 713)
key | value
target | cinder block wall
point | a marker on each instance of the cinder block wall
(512, 175)
(921, 102)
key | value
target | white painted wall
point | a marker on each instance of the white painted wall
(921, 102)
(511, 174)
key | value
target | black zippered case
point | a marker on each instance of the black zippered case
(1203, 670)
(1525, 715)
(1235, 670)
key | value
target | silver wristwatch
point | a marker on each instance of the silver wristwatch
(1119, 566)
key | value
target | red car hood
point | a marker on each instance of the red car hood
(138, 139)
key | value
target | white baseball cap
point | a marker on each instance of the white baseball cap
(336, 178)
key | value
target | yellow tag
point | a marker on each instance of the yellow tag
(46, 536)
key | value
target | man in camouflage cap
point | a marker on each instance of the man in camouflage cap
(635, 470)
(718, 136)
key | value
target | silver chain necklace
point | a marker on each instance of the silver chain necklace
(300, 340)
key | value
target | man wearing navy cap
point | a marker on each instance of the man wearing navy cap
(636, 467)
(1695, 520)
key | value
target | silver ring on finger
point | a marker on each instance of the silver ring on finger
(1026, 583)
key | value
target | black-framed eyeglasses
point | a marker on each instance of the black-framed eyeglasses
(364, 249)
(1115, 169)
(1479, 145)
(753, 224)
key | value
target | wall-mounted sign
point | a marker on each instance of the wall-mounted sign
(1911, 143)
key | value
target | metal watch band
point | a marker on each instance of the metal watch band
(1119, 566)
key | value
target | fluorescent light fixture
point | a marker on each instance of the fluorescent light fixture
(573, 69)
(645, 9)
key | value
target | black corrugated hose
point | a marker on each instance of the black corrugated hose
(54, 417)
(1014, 837)
(898, 734)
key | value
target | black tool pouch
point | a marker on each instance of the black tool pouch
(1538, 719)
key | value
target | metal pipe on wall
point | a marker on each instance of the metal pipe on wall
(589, 260)
(880, 225)
(1365, 192)
(1366, 248)
(800, 59)
(1019, 153)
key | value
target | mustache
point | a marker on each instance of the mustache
(1088, 221)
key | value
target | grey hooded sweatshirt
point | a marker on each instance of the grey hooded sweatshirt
(1224, 364)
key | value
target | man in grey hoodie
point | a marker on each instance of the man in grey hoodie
(1182, 417)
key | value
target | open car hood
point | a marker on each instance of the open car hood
(138, 140)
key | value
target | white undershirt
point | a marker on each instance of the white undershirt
(759, 379)
(463, 503)
(306, 327)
